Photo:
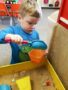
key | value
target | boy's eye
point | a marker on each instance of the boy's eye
(31, 23)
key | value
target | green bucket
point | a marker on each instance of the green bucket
(23, 53)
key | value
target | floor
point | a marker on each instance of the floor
(44, 27)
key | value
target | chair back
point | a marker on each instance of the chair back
(3, 10)
(14, 10)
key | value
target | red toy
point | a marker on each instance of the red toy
(63, 14)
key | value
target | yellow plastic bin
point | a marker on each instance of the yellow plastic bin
(5, 72)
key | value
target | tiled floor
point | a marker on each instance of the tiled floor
(44, 27)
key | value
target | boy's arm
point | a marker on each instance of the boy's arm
(5, 32)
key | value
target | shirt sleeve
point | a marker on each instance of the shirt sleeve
(38, 36)
(4, 32)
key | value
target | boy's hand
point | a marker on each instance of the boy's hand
(46, 52)
(14, 38)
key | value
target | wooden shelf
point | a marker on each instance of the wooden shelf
(50, 7)
(46, 5)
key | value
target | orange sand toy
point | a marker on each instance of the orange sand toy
(37, 55)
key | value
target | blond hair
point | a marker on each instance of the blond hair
(29, 7)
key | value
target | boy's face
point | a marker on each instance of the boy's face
(28, 23)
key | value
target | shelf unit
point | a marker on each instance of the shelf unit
(50, 2)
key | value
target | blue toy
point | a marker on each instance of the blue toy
(39, 44)
(5, 87)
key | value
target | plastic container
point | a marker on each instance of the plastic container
(23, 53)
(37, 55)
(46, 1)
(57, 3)
(5, 87)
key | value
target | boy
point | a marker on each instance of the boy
(28, 17)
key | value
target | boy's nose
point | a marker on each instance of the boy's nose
(32, 27)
